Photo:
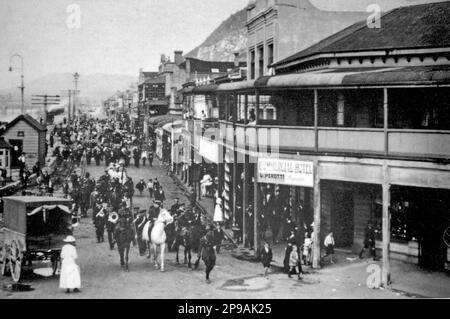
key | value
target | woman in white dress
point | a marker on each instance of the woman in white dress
(218, 211)
(70, 272)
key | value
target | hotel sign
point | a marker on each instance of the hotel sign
(286, 172)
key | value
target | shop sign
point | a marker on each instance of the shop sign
(286, 172)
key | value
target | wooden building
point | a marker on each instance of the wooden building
(26, 135)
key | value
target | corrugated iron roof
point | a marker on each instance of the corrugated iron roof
(419, 26)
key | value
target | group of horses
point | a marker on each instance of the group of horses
(165, 232)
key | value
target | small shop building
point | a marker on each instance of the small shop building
(26, 135)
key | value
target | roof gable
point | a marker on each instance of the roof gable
(28, 119)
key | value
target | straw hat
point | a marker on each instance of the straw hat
(69, 239)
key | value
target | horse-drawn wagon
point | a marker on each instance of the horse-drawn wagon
(34, 228)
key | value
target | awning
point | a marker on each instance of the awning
(175, 125)
(157, 103)
(234, 86)
(161, 120)
(424, 75)
(205, 89)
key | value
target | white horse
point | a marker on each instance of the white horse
(158, 235)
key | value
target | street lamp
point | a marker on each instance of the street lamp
(21, 87)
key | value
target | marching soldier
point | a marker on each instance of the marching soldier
(99, 222)
(113, 217)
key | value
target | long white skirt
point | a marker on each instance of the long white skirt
(218, 214)
(70, 275)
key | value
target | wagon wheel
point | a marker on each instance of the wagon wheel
(15, 260)
(3, 261)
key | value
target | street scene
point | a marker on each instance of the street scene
(299, 152)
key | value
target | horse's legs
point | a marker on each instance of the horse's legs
(189, 258)
(121, 251)
(163, 248)
(149, 247)
(155, 255)
(126, 257)
(177, 250)
(185, 254)
(208, 271)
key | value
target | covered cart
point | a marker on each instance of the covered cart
(34, 229)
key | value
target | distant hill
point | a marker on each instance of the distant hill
(93, 87)
(229, 37)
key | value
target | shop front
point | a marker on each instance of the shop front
(284, 192)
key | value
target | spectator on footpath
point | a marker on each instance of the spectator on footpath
(295, 264)
(329, 245)
(144, 157)
(265, 257)
(369, 241)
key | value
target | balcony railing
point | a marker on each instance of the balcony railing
(409, 143)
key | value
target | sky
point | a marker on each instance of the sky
(116, 36)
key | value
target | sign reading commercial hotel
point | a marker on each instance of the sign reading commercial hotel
(286, 172)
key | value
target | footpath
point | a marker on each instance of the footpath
(407, 279)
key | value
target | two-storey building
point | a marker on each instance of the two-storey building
(361, 134)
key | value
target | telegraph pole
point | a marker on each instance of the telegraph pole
(21, 87)
(70, 109)
(45, 100)
(76, 76)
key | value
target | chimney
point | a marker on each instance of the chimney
(163, 58)
(178, 57)
(236, 59)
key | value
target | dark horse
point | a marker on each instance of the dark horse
(124, 235)
(189, 237)
(208, 254)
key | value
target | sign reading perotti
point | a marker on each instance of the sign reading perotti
(286, 172)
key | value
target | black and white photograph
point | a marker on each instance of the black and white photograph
(240, 150)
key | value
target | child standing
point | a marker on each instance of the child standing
(329, 244)
(294, 262)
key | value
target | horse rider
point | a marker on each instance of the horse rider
(175, 207)
(140, 222)
(153, 213)
(113, 217)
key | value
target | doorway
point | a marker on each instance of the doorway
(342, 217)
(16, 152)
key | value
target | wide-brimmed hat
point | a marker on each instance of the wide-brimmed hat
(69, 239)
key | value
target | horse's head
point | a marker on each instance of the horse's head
(165, 217)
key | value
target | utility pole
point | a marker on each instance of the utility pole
(45, 100)
(76, 76)
(70, 109)
(21, 87)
